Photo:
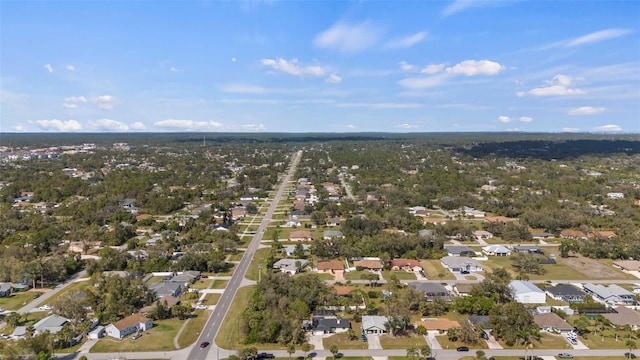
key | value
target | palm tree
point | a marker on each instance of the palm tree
(630, 344)
(306, 347)
(425, 350)
(412, 353)
(334, 350)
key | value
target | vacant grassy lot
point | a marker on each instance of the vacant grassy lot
(258, 259)
(606, 340)
(76, 286)
(557, 271)
(158, 338)
(192, 330)
(211, 299)
(202, 284)
(400, 275)
(402, 342)
(434, 270)
(446, 344)
(342, 340)
(547, 341)
(16, 300)
(219, 284)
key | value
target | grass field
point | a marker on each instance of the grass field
(211, 299)
(433, 270)
(192, 330)
(219, 284)
(228, 336)
(343, 343)
(16, 300)
(76, 286)
(202, 284)
(400, 275)
(446, 344)
(258, 259)
(158, 338)
(402, 342)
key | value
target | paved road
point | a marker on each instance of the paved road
(346, 187)
(211, 328)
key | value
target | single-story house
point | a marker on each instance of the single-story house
(624, 316)
(186, 277)
(369, 264)
(463, 289)
(627, 265)
(52, 324)
(289, 250)
(551, 322)
(5, 289)
(374, 324)
(330, 325)
(525, 292)
(496, 250)
(332, 222)
(332, 234)
(572, 234)
(300, 235)
(615, 195)
(440, 324)
(532, 249)
(330, 267)
(128, 325)
(612, 294)
(96, 333)
(167, 288)
(482, 234)
(566, 292)
(170, 301)
(541, 235)
(425, 233)
(459, 250)
(406, 265)
(343, 290)
(458, 264)
(290, 266)
(480, 321)
(431, 290)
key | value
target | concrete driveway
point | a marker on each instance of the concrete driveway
(374, 342)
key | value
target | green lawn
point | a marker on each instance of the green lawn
(547, 341)
(433, 270)
(355, 275)
(158, 338)
(606, 340)
(557, 271)
(402, 342)
(211, 299)
(219, 284)
(446, 344)
(192, 330)
(16, 300)
(76, 286)
(400, 275)
(202, 284)
(258, 259)
(236, 257)
(343, 343)
(323, 276)
(229, 337)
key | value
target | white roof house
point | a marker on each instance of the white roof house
(457, 264)
(374, 325)
(612, 294)
(525, 292)
(496, 250)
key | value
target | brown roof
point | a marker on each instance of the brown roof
(405, 262)
(130, 320)
(368, 264)
(552, 320)
(624, 316)
(330, 265)
(464, 288)
(606, 233)
(572, 233)
(438, 324)
(342, 290)
(434, 220)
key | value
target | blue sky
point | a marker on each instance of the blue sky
(320, 66)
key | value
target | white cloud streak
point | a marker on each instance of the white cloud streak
(348, 38)
(586, 110)
(559, 85)
(504, 119)
(598, 36)
(526, 119)
(432, 69)
(292, 67)
(607, 128)
(59, 125)
(137, 126)
(188, 125)
(108, 125)
(405, 66)
(406, 42)
(334, 79)
(71, 67)
(476, 67)
(254, 127)
(49, 68)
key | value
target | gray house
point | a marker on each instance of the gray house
(431, 290)
(458, 264)
(566, 292)
(459, 250)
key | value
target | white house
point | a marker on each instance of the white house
(615, 195)
(525, 292)
(374, 325)
(459, 264)
(496, 250)
(128, 325)
(96, 333)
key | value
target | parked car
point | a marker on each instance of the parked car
(565, 356)
(136, 336)
(629, 355)
(462, 348)
(204, 344)
(464, 272)
(363, 337)
(45, 308)
(265, 355)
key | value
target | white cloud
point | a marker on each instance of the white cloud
(476, 67)
(570, 129)
(598, 36)
(586, 110)
(334, 79)
(104, 102)
(76, 99)
(378, 106)
(49, 68)
(69, 106)
(292, 67)
(18, 128)
(348, 38)
(137, 126)
(351, 127)
(407, 126)
(405, 66)
(423, 82)
(233, 59)
(254, 127)
(62, 126)
(526, 119)
(558, 86)
(407, 41)
(188, 125)
(504, 119)
(459, 5)
(71, 67)
(174, 69)
(607, 128)
(108, 125)
(432, 69)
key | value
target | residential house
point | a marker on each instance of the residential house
(238, 213)
(425, 233)
(374, 324)
(627, 265)
(186, 277)
(289, 250)
(572, 234)
(298, 214)
(541, 235)
(330, 267)
(496, 250)
(607, 234)
(500, 219)
(437, 324)
(290, 266)
(330, 325)
(5, 289)
(611, 295)
(463, 289)
(369, 264)
(532, 249)
(300, 235)
(525, 292)
(332, 234)
(96, 333)
(459, 250)
(51, 323)
(458, 264)
(480, 321)
(566, 292)
(551, 322)
(624, 316)
(128, 325)
(434, 220)
(169, 301)
(292, 222)
(482, 234)
(167, 288)
(615, 195)
(343, 290)
(409, 265)
(333, 222)
(431, 291)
